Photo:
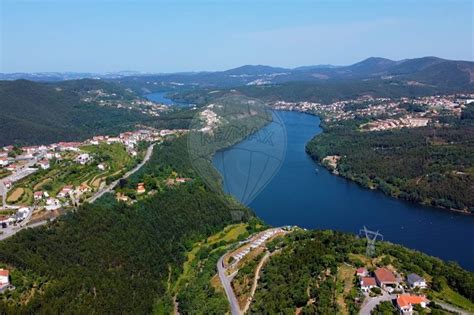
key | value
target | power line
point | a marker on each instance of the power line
(371, 237)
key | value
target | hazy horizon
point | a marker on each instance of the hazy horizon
(191, 36)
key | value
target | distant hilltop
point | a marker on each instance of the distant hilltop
(425, 70)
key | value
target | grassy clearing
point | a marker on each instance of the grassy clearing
(345, 282)
(451, 297)
(15, 195)
(230, 233)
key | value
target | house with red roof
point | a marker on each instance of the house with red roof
(385, 279)
(367, 283)
(65, 191)
(4, 161)
(4, 279)
(38, 195)
(405, 303)
(44, 164)
(361, 272)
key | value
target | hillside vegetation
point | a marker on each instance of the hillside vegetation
(308, 274)
(429, 165)
(40, 113)
(110, 257)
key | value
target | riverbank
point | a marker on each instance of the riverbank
(401, 163)
(306, 194)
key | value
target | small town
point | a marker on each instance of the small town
(38, 183)
(386, 113)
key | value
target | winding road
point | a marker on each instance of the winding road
(112, 185)
(234, 305)
(97, 195)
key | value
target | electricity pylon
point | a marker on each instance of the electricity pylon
(371, 237)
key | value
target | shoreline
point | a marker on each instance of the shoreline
(460, 211)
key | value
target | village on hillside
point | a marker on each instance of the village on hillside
(386, 113)
(38, 183)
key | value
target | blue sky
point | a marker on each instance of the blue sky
(170, 36)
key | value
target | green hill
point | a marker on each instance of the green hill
(39, 113)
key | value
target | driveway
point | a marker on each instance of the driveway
(373, 302)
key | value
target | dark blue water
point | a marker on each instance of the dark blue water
(305, 194)
(160, 97)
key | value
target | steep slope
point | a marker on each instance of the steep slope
(113, 258)
(32, 112)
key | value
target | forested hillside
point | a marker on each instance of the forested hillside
(430, 165)
(110, 257)
(41, 113)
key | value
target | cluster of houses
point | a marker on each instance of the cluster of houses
(256, 242)
(20, 215)
(367, 106)
(46, 152)
(386, 280)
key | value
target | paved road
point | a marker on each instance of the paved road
(11, 230)
(373, 302)
(234, 305)
(112, 185)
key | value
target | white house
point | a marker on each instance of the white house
(405, 303)
(4, 279)
(38, 195)
(101, 166)
(367, 283)
(83, 158)
(415, 281)
(44, 164)
(4, 161)
(65, 191)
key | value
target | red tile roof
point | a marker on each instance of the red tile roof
(407, 300)
(361, 270)
(384, 275)
(367, 281)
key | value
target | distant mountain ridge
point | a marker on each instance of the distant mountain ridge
(429, 71)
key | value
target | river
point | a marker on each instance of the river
(305, 194)
(160, 97)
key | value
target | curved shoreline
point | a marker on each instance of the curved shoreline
(460, 211)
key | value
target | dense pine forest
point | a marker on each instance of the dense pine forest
(429, 165)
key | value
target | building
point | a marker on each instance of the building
(4, 161)
(415, 281)
(44, 164)
(83, 158)
(361, 272)
(65, 191)
(405, 303)
(367, 283)
(38, 195)
(4, 279)
(69, 146)
(141, 188)
(12, 167)
(385, 278)
(102, 166)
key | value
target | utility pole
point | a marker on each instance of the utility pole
(371, 237)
